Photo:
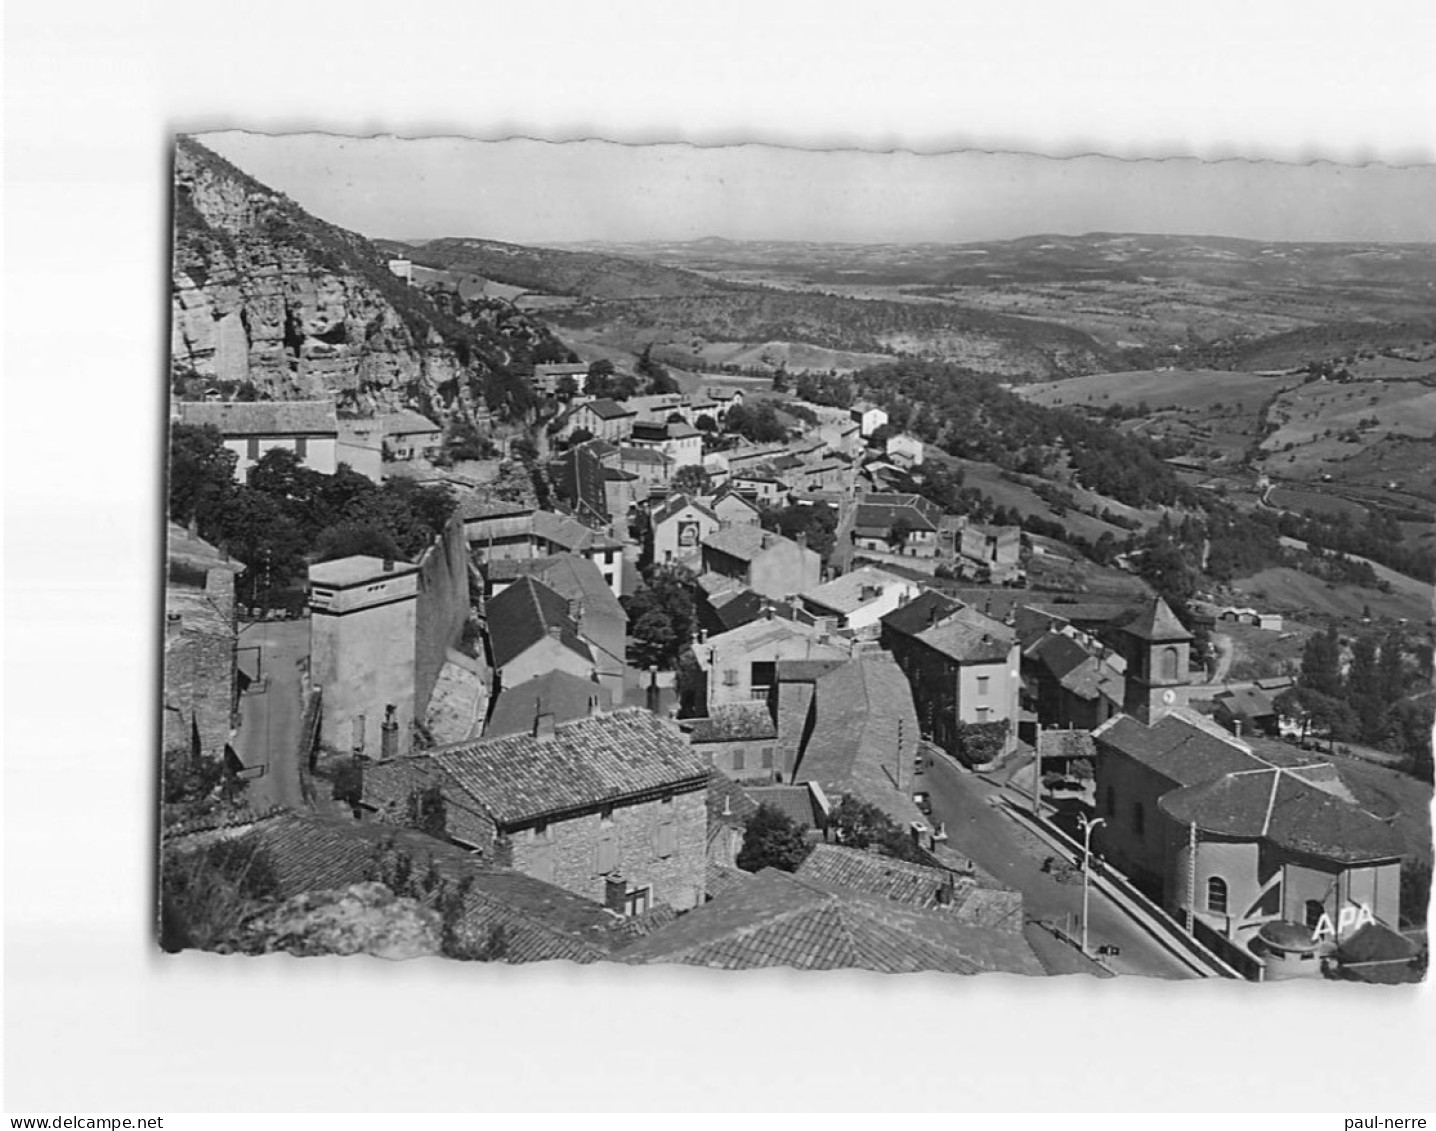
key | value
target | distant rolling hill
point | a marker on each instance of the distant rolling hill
(594, 275)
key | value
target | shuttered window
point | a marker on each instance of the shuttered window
(606, 856)
(667, 840)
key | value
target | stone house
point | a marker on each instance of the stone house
(738, 740)
(869, 418)
(733, 509)
(201, 685)
(548, 375)
(606, 419)
(309, 429)
(880, 517)
(741, 666)
(681, 443)
(610, 807)
(905, 450)
(408, 436)
(765, 562)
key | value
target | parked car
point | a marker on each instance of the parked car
(924, 803)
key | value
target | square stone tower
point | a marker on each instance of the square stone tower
(363, 635)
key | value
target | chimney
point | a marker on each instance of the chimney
(388, 565)
(389, 733)
(543, 721)
(556, 631)
(615, 894)
(944, 893)
(575, 609)
(654, 697)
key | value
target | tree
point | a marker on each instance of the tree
(566, 388)
(1321, 664)
(201, 475)
(662, 616)
(691, 479)
(901, 530)
(207, 894)
(772, 839)
(860, 824)
(705, 423)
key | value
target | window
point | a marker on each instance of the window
(767, 757)
(1139, 819)
(301, 447)
(606, 857)
(730, 677)
(982, 682)
(667, 840)
(982, 713)
(1314, 911)
(636, 901)
(541, 832)
(358, 733)
(254, 447)
(1170, 660)
(1217, 895)
(738, 758)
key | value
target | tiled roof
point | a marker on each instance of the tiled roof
(406, 422)
(1065, 744)
(1058, 654)
(578, 477)
(776, 919)
(1176, 748)
(388, 784)
(575, 578)
(735, 609)
(191, 549)
(477, 505)
(1274, 804)
(522, 615)
(644, 455)
(567, 532)
(970, 896)
(733, 722)
(865, 735)
(846, 595)
(556, 693)
(587, 762)
(721, 879)
(728, 802)
(539, 921)
(262, 418)
(744, 541)
(796, 802)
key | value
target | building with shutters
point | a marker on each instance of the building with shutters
(309, 429)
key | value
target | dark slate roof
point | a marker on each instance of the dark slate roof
(587, 762)
(1155, 621)
(1274, 804)
(969, 637)
(877, 512)
(1175, 748)
(674, 504)
(795, 802)
(733, 722)
(575, 578)
(606, 409)
(522, 615)
(741, 608)
(578, 476)
(1058, 654)
(1246, 703)
(262, 418)
(539, 921)
(556, 693)
(922, 611)
(779, 920)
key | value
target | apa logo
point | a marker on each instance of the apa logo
(1353, 917)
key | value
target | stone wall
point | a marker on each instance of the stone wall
(578, 854)
(443, 608)
(198, 683)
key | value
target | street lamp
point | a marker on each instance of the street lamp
(1087, 827)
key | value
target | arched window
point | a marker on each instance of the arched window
(1171, 660)
(1315, 909)
(1217, 895)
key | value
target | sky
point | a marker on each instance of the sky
(528, 191)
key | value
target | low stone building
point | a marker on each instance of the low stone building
(309, 429)
(767, 563)
(610, 807)
(738, 740)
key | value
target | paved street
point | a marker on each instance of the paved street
(961, 801)
(270, 712)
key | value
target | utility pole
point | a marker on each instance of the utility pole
(1087, 827)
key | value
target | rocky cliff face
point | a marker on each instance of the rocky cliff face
(265, 295)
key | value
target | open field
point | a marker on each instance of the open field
(1198, 390)
(1005, 492)
(1259, 654)
(1288, 590)
(1317, 502)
